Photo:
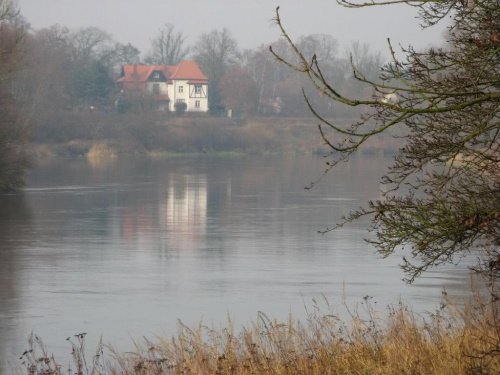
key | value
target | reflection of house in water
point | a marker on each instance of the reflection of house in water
(137, 224)
(183, 212)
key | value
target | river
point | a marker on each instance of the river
(124, 248)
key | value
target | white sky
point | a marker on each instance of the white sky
(137, 21)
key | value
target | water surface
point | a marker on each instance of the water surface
(125, 248)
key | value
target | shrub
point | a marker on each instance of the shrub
(180, 108)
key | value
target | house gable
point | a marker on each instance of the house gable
(157, 75)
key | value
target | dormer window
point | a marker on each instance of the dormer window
(156, 74)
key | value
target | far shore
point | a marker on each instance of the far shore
(155, 136)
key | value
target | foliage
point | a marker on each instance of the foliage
(72, 69)
(443, 189)
(69, 70)
(94, 84)
(13, 145)
(151, 132)
(180, 107)
(13, 133)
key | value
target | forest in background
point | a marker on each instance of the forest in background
(74, 70)
(58, 93)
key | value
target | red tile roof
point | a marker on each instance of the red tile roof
(188, 70)
(185, 70)
(141, 73)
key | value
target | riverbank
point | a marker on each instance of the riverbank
(452, 340)
(111, 135)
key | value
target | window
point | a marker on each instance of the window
(181, 89)
(156, 88)
(197, 104)
(156, 74)
(197, 89)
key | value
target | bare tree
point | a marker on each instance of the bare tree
(168, 48)
(258, 65)
(323, 45)
(277, 86)
(215, 52)
(13, 135)
(238, 91)
(443, 188)
(43, 84)
(364, 61)
(13, 34)
(9, 10)
(126, 54)
(90, 43)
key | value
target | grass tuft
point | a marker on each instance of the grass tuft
(455, 339)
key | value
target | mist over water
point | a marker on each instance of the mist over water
(124, 248)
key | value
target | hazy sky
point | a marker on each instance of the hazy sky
(137, 21)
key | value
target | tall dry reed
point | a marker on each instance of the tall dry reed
(455, 339)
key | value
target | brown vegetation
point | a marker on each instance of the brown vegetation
(101, 150)
(453, 340)
(75, 134)
(13, 145)
(13, 132)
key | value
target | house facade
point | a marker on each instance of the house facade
(168, 84)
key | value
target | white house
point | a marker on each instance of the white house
(168, 84)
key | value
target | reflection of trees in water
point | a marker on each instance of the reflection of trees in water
(258, 185)
(15, 214)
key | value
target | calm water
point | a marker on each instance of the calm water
(125, 248)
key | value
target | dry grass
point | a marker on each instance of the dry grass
(453, 340)
(101, 150)
(75, 135)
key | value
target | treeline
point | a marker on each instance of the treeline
(13, 131)
(75, 69)
(54, 76)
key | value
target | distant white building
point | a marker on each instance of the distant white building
(168, 84)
